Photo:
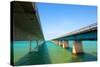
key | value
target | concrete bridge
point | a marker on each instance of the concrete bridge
(86, 33)
(25, 25)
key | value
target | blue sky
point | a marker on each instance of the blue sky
(59, 19)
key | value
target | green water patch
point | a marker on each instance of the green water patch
(51, 53)
(57, 54)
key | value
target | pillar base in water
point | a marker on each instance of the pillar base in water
(60, 43)
(77, 47)
(78, 53)
(65, 44)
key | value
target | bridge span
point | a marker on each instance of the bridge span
(86, 33)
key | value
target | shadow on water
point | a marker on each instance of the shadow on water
(80, 57)
(69, 49)
(83, 58)
(43, 57)
(34, 58)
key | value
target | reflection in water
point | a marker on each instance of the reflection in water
(51, 53)
(40, 57)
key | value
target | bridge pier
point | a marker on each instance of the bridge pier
(30, 46)
(60, 43)
(57, 42)
(77, 47)
(65, 44)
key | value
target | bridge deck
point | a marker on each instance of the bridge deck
(90, 31)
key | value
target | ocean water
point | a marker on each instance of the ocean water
(21, 48)
(54, 52)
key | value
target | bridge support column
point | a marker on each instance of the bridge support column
(60, 43)
(30, 47)
(77, 47)
(65, 44)
(57, 42)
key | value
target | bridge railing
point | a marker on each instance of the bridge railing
(89, 27)
(83, 29)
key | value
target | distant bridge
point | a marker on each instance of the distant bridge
(86, 33)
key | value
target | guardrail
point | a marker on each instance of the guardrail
(83, 29)
(89, 27)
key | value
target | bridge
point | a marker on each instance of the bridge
(86, 33)
(26, 26)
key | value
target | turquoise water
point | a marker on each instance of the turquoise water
(54, 52)
(21, 48)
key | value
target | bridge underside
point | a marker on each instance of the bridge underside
(25, 25)
(25, 21)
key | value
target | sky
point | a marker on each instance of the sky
(59, 19)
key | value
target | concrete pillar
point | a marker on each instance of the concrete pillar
(77, 47)
(56, 41)
(30, 47)
(60, 43)
(65, 44)
(37, 48)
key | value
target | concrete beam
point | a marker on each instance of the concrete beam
(25, 23)
(77, 47)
